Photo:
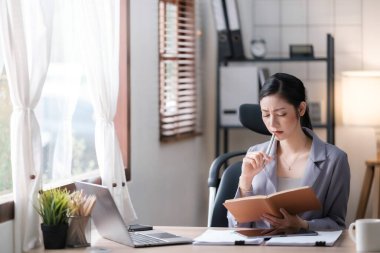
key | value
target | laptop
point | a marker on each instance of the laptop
(110, 224)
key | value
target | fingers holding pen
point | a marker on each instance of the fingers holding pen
(255, 161)
(259, 157)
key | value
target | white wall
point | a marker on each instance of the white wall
(6, 236)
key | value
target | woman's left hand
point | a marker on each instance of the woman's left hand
(288, 224)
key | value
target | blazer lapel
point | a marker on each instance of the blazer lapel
(316, 158)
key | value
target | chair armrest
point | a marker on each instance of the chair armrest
(213, 178)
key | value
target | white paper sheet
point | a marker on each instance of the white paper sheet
(224, 237)
(324, 238)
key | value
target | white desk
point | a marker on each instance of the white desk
(343, 245)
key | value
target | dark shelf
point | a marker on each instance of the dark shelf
(329, 125)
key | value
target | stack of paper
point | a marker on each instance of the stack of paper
(224, 237)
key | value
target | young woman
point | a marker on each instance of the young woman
(298, 158)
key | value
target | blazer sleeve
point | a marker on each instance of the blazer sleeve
(335, 203)
(231, 219)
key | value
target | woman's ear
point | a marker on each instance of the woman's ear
(302, 108)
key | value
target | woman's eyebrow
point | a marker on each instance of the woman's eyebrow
(278, 109)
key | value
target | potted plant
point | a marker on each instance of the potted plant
(53, 207)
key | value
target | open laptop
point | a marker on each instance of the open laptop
(110, 223)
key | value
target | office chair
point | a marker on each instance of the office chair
(224, 187)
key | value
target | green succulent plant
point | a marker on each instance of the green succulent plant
(53, 206)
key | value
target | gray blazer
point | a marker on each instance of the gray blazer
(327, 172)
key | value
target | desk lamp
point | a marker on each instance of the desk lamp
(361, 100)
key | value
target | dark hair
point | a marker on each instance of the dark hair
(289, 88)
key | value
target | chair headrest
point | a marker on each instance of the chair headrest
(250, 117)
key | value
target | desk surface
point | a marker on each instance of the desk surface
(344, 244)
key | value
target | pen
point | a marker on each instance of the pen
(270, 144)
(269, 149)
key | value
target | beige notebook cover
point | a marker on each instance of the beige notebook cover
(295, 201)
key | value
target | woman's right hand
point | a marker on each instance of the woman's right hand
(253, 163)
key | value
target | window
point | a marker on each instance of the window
(177, 42)
(5, 113)
(65, 104)
(65, 116)
(64, 111)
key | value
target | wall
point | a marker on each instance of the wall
(6, 236)
(169, 181)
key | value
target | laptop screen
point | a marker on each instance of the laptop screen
(105, 214)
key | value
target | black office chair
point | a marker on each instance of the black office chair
(224, 187)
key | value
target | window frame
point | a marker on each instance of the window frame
(7, 211)
(179, 121)
(122, 119)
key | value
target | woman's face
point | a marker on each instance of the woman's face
(280, 117)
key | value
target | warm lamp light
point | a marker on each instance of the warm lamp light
(361, 100)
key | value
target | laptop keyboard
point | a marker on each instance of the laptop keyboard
(144, 239)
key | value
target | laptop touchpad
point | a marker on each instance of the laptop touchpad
(163, 235)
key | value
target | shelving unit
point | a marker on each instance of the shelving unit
(222, 131)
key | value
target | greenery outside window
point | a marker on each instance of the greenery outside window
(5, 156)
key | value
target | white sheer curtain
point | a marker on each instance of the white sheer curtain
(100, 45)
(1, 60)
(62, 158)
(25, 33)
(1, 53)
(66, 72)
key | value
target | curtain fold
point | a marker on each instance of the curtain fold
(25, 34)
(100, 22)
